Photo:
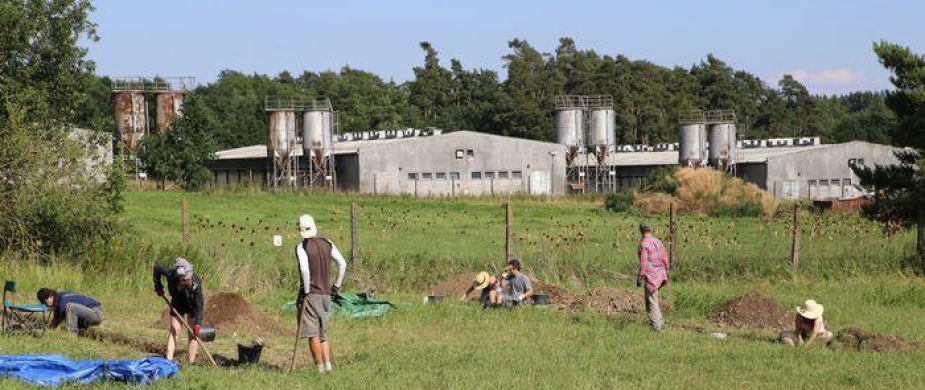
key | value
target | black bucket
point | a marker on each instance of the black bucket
(207, 332)
(433, 299)
(249, 354)
(540, 299)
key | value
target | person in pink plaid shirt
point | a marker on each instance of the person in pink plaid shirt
(653, 272)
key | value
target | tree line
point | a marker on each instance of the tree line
(648, 98)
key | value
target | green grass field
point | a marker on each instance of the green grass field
(408, 245)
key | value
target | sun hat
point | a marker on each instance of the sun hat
(183, 267)
(307, 226)
(810, 310)
(481, 280)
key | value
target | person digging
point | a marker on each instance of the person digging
(488, 287)
(314, 256)
(187, 300)
(653, 273)
(515, 284)
(78, 311)
(809, 326)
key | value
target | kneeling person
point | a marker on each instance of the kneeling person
(808, 326)
(79, 311)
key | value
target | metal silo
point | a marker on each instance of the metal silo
(317, 135)
(169, 106)
(733, 143)
(719, 144)
(602, 131)
(282, 132)
(570, 127)
(691, 145)
(131, 120)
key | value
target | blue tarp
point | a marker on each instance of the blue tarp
(54, 370)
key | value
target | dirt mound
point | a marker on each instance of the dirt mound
(455, 285)
(864, 340)
(754, 310)
(232, 314)
(611, 300)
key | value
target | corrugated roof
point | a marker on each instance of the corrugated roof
(750, 155)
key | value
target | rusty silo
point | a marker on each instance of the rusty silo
(169, 106)
(131, 119)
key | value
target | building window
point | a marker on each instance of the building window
(454, 175)
(489, 175)
(517, 175)
(503, 175)
(412, 176)
(823, 183)
(476, 175)
(428, 176)
(836, 182)
(441, 175)
(812, 183)
(470, 153)
(846, 182)
(460, 154)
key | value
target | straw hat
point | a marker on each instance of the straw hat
(810, 310)
(481, 280)
(307, 226)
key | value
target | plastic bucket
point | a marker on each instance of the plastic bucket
(433, 299)
(249, 354)
(207, 332)
(540, 299)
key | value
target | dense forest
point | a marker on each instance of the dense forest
(647, 98)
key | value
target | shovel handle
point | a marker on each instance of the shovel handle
(190, 330)
(298, 332)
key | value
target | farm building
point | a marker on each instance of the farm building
(458, 163)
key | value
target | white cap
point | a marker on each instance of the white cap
(307, 226)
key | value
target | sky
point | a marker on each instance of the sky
(826, 44)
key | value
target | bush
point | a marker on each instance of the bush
(661, 180)
(619, 202)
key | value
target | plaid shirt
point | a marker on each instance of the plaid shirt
(653, 263)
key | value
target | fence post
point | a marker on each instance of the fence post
(672, 232)
(354, 239)
(508, 221)
(184, 221)
(795, 247)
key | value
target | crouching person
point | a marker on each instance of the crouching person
(809, 326)
(488, 288)
(185, 289)
(78, 311)
(314, 255)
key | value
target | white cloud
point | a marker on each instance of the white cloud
(828, 77)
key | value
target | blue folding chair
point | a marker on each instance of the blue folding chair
(28, 318)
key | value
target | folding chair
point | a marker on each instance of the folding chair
(28, 318)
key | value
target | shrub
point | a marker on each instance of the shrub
(661, 180)
(619, 202)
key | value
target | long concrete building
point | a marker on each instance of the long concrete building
(471, 163)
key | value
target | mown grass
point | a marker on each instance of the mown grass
(407, 245)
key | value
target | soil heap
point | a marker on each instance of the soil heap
(232, 314)
(754, 310)
(864, 340)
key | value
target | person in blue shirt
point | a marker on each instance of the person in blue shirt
(78, 311)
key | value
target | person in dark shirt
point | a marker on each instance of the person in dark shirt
(78, 311)
(186, 297)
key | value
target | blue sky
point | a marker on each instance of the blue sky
(825, 43)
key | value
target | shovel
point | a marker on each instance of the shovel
(190, 330)
(298, 332)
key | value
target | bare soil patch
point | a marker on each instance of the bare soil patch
(865, 340)
(233, 315)
(121, 339)
(754, 310)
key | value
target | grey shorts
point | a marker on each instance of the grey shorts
(315, 321)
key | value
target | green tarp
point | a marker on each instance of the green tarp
(353, 306)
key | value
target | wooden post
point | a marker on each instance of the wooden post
(672, 233)
(795, 247)
(354, 239)
(184, 220)
(508, 221)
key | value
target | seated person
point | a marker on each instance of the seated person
(78, 311)
(516, 285)
(488, 288)
(809, 326)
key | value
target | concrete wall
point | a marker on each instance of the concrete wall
(822, 173)
(461, 163)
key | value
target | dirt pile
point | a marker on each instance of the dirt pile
(754, 310)
(703, 191)
(864, 340)
(455, 285)
(232, 314)
(611, 300)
